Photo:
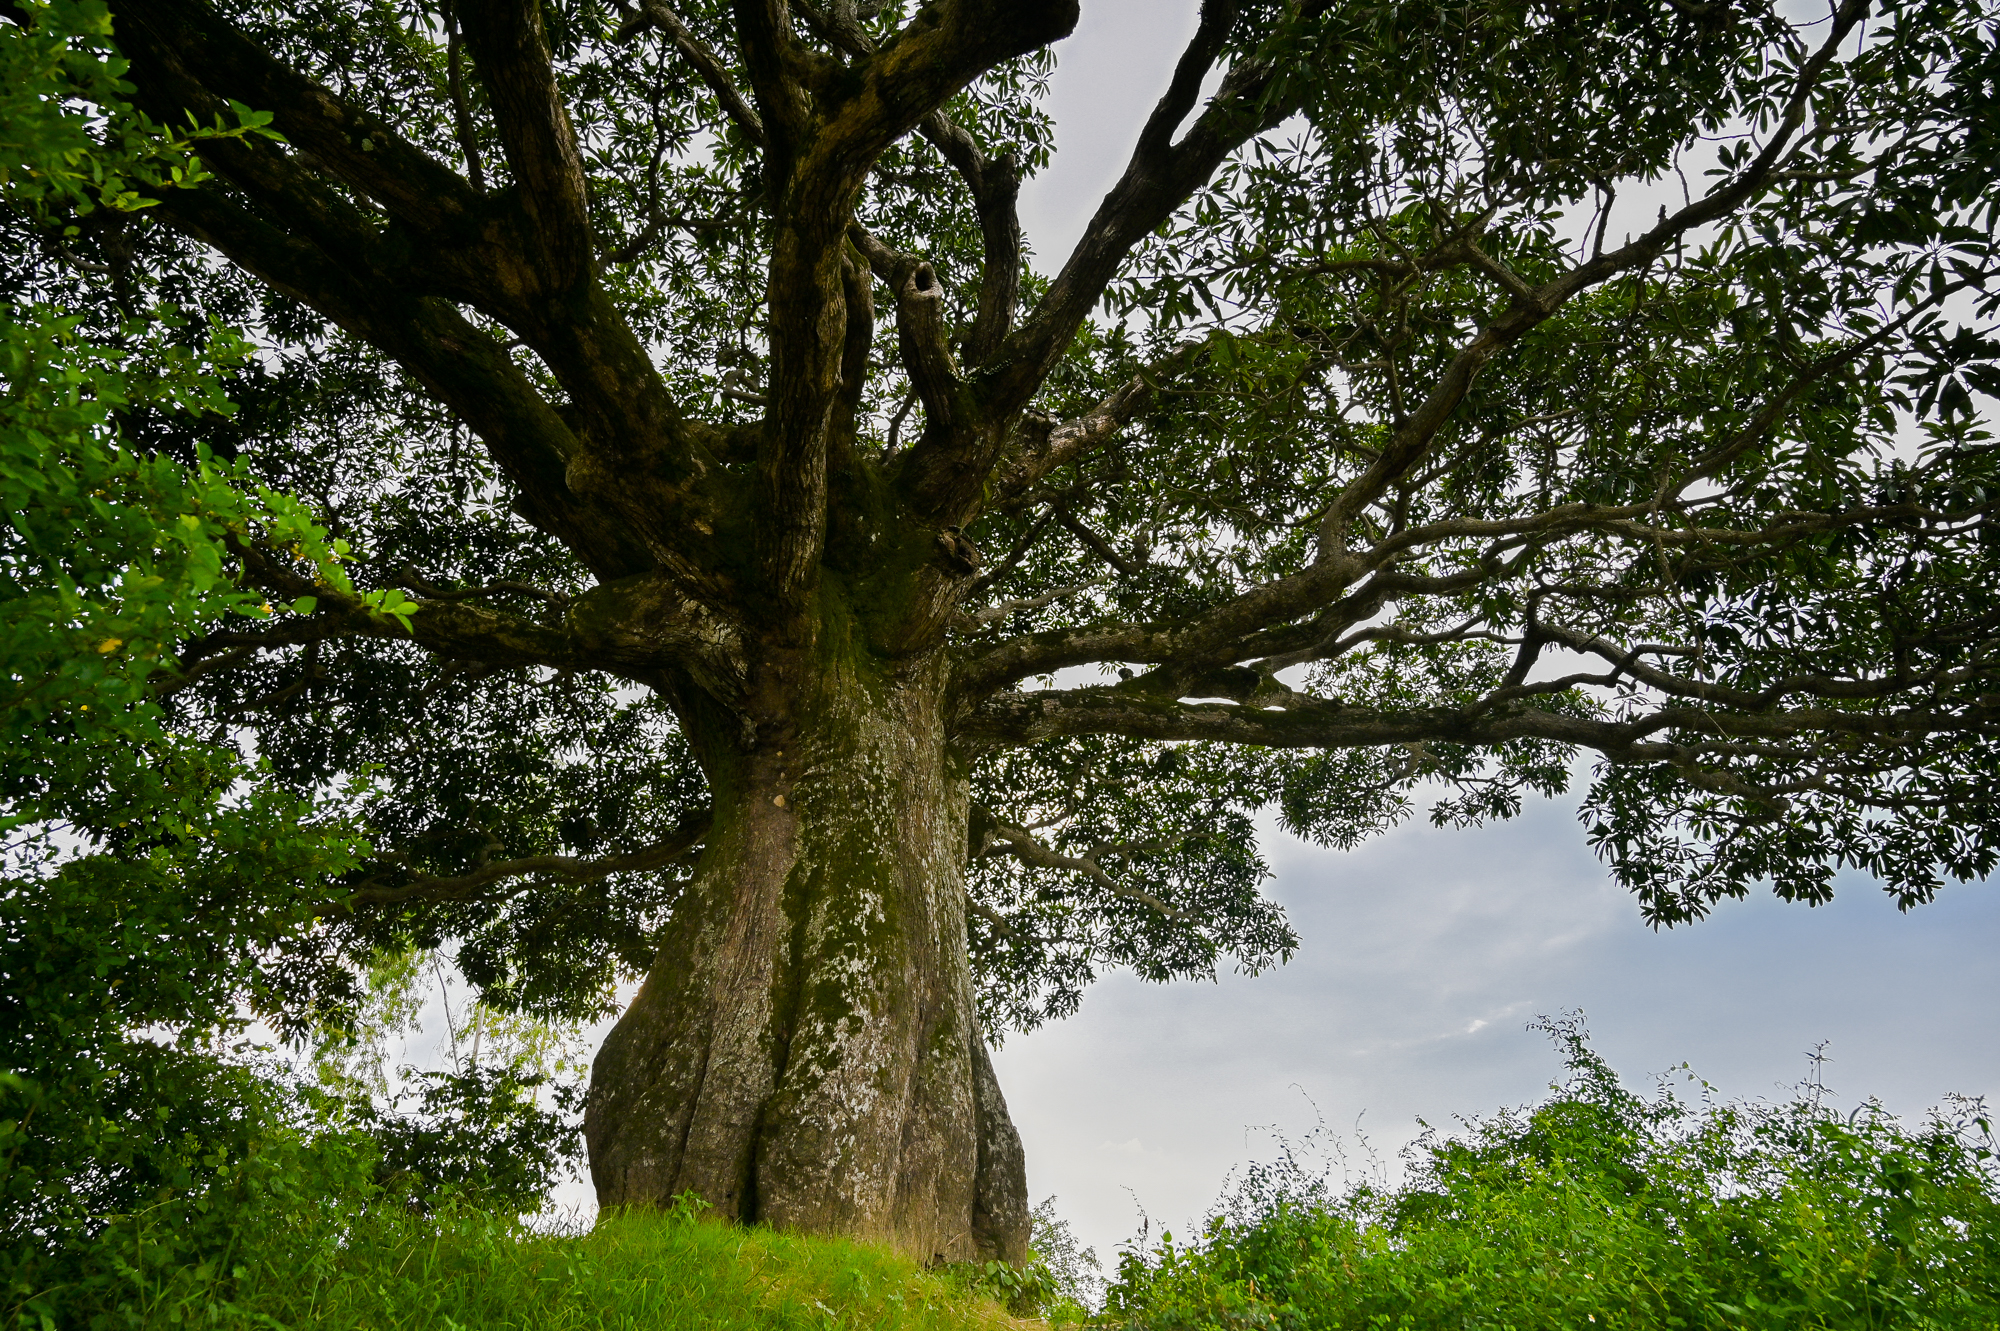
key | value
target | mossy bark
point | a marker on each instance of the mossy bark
(806, 1051)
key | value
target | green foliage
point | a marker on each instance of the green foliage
(1075, 1277)
(148, 876)
(1528, 118)
(481, 1135)
(1601, 1208)
(153, 882)
(1059, 1283)
(1288, 344)
(110, 557)
(1165, 821)
(247, 1187)
(68, 136)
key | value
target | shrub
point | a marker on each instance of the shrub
(1600, 1208)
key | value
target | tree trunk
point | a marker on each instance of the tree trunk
(806, 1051)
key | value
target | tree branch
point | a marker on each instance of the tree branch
(512, 56)
(1096, 544)
(633, 628)
(707, 65)
(1160, 176)
(925, 343)
(427, 889)
(302, 237)
(1027, 718)
(181, 50)
(1530, 307)
(826, 126)
(1035, 452)
(995, 184)
(461, 107)
(1022, 845)
(993, 614)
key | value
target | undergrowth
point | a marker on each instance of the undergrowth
(1597, 1208)
(648, 1269)
(1602, 1209)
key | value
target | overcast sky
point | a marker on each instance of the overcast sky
(1426, 953)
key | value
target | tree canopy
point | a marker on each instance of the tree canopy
(1366, 446)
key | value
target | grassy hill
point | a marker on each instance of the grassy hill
(661, 1271)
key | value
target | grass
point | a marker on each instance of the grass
(464, 1270)
(662, 1271)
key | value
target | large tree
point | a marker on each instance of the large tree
(787, 590)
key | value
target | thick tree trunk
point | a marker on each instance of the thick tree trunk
(806, 1051)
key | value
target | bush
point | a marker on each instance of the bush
(206, 1178)
(1059, 1283)
(1598, 1208)
(245, 1188)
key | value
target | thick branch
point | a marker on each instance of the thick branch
(996, 193)
(893, 90)
(515, 257)
(946, 476)
(819, 159)
(1160, 177)
(995, 184)
(460, 364)
(180, 50)
(925, 343)
(1027, 718)
(707, 65)
(635, 628)
(512, 56)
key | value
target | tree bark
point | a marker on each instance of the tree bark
(807, 1051)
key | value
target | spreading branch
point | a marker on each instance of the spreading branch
(633, 628)
(1025, 718)
(705, 63)
(1161, 175)
(1529, 307)
(527, 267)
(521, 873)
(1006, 839)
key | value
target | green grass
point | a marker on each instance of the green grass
(1594, 1210)
(669, 1271)
(664, 1272)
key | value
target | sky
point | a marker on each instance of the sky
(1426, 953)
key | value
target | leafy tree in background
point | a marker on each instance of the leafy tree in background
(784, 589)
(147, 874)
(150, 875)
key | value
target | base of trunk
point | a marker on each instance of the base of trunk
(806, 1052)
